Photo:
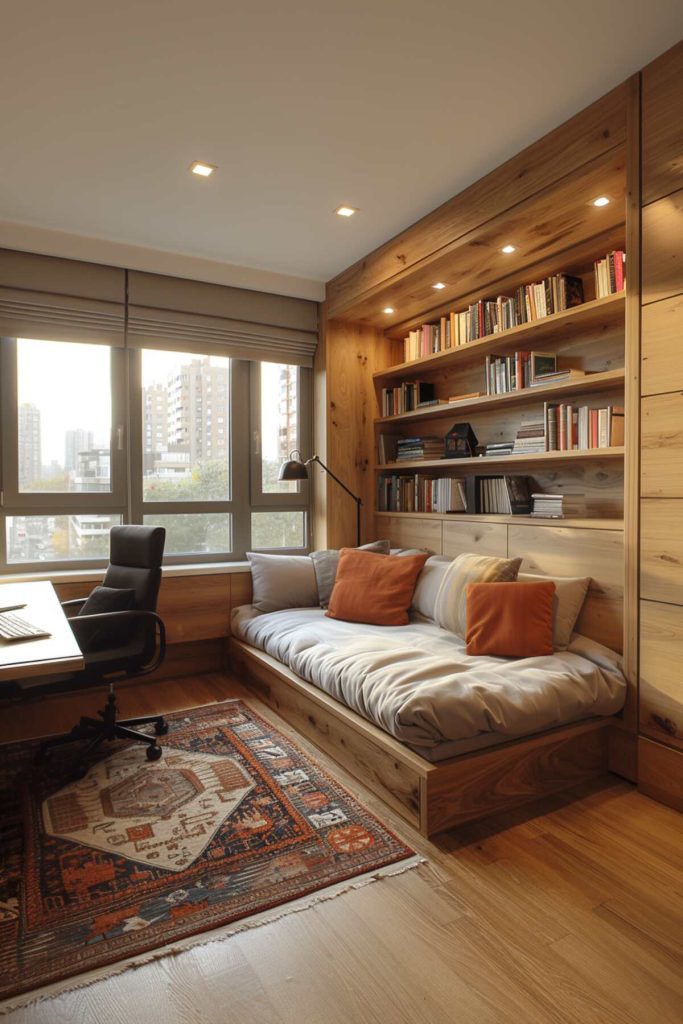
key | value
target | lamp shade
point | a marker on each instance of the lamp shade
(293, 469)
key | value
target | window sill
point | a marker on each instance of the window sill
(93, 575)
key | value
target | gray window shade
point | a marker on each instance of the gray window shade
(188, 316)
(61, 300)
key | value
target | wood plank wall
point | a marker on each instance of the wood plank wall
(660, 748)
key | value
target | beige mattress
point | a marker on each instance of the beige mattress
(416, 682)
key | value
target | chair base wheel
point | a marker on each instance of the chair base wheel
(161, 728)
(153, 753)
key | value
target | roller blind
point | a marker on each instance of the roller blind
(192, 316)
(61, 300)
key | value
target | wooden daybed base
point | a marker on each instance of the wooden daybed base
(431, 797)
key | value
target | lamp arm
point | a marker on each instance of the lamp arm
(315, 458)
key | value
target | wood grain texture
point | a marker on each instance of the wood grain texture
(482, 538)
(662, 125)
(476, 785)
(660, 772)
(556, 230)
(595, 553)
(661, 441)
(411, 533)
(662, 261)
(560, 913)
(622, 752)
(661, 363)
(661, 550)
(588, 135)
(661, 680)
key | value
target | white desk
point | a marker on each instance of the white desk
(51, 655)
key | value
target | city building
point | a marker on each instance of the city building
(30, 447)
(75, 441)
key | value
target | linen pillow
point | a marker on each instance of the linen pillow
(450, 607)
(570, 594)
(282, 581)
(91, 635)
(428, 583)
(375, 589)
(510, 620)
(325, 564)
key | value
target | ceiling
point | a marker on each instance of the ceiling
(391, 106)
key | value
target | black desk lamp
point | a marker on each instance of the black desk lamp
(295, 469)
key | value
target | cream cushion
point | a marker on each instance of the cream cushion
(450, 607)
(427, 586)
(570, 593)
(282, 581)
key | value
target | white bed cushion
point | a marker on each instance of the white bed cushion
(570, 593)
(282, 581)
(418, 683)
(427, 586)
(450, 608)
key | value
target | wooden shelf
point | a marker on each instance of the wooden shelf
(608, 380)
(590, 454)
(598, 315)
(463, 517)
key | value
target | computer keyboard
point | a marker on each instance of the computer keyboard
(13, 627)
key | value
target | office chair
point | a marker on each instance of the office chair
(119, 645)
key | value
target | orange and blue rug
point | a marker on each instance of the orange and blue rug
(232, 821)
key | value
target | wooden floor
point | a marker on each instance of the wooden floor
(570, 916)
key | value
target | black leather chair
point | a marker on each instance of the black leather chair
(119, 645)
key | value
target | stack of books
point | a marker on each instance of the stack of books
(557, 376)
(409, 448)
(610, 274)
(499, 448)
(531, 436)
(547, 506)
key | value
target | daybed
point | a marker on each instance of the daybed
(442, 737)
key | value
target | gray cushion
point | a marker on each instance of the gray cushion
(282, 581)
(99, 635)
(325, 564)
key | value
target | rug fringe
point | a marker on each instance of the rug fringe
(82, 981)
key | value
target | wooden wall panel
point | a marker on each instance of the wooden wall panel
(195, 607)
(563, 551)
(661, 675)
(483, 538)
(660, 772)
(662, 270)
(662, 331)
(661, 442)
(411, 533)
(663, 125)
(661, 550)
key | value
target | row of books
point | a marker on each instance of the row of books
(610, 274)
(518, 370)
(490, 316)
(548, 506)
(492, 495)
(562, 428)
(407, 396)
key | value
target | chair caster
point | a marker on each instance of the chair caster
(153, 753)
(161, 728)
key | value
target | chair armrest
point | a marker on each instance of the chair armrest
(132, 616)
(76, 602)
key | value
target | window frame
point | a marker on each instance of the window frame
(126, 497)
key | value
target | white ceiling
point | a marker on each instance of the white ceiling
(392, 106)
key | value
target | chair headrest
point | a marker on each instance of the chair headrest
(138, 546)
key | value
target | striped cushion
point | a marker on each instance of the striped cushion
(450, 607)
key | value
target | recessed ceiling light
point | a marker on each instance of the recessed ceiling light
(600, 201)
(439, 285)
(388, 309)
(202, 169)
(345, 211)
(507, 249)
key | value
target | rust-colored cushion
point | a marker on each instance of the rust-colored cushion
(510, 620)
(376, 589)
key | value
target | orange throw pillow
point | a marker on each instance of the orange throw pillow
(375, 589)
(510, 620)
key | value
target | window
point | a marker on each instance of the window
(94, 436)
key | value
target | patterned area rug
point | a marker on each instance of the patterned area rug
(233, 820)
